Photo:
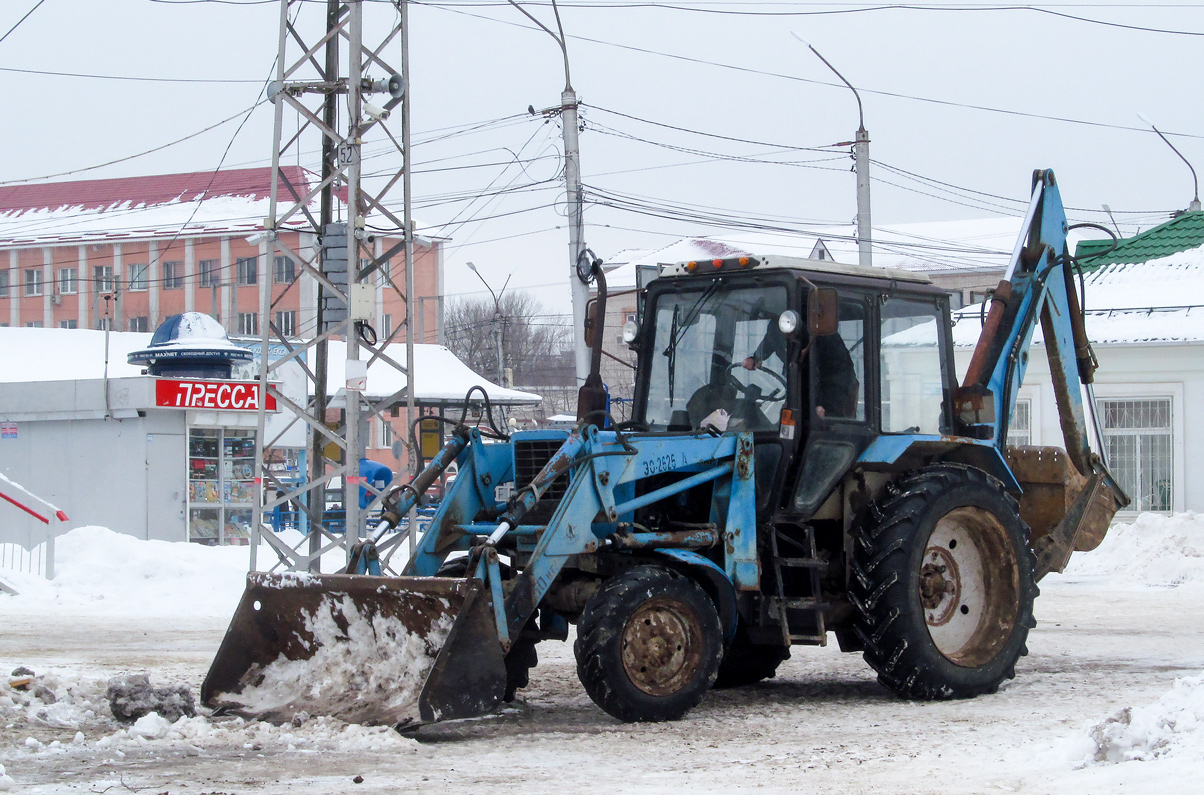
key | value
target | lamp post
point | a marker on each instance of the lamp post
(1195, 201)
(861, 161)
(496, 323)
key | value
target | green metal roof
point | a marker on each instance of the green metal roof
(1178, 234)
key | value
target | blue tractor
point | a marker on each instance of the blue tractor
(802, 464)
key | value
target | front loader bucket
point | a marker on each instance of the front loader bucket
(375, 650)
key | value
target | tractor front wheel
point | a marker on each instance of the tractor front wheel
(648, 645)
(943, 584)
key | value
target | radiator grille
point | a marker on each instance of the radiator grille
(529, 458)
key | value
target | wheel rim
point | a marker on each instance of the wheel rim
(969, 586)
(660, 648)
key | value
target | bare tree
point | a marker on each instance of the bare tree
(536, 345)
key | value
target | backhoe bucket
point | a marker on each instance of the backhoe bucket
(374, 650)
(1065, 511)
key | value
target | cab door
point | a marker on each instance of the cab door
(841, 413)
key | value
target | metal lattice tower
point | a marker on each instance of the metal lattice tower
(327, 77)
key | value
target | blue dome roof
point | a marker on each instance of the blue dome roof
(191, 338)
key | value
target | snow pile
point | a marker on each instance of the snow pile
(62, 714)
(99, 571)
(1155, 550)
(375, 667)
(1171, 726)
(153, 731)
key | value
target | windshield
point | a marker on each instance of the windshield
(717, 358)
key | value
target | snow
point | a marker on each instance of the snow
(1111, 698)
(1154, 551)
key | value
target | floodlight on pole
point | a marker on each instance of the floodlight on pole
(861, 159)
(1195, 201)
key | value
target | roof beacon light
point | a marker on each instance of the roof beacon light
(691, 266)
(744, 262)
(717, 263)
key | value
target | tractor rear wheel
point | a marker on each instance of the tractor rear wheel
(648, 645)
(943, 585)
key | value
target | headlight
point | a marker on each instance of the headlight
(630, 331)
(788, 321)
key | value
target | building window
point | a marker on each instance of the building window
(33, 281)
(248, 270)
(138, 271)
(286, 323)
(68, 281)
(3, 284)
(386, 434)
(286, 270)
(1020, 429)
(68, 324)
(139, 323)
(173, 275)
(386, 326)
(208, 270)
(102, 278)
(104, 324)
(248, 324)
(34, 324)
(1138, 437)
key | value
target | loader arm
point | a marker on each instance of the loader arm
(1038, 286)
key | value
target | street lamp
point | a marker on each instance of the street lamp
(861, 160)
(496, 322)
(574, 189)
(1195, 201)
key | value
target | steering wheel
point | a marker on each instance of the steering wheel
(752, 390)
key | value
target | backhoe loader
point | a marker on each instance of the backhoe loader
(802, 464)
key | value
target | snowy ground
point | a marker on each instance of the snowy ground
(1110, 699)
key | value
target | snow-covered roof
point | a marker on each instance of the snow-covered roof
(51, 354)
(1151, 302)
(932, 247)
(229, 202)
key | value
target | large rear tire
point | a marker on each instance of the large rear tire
(648, 645)
(943, 585)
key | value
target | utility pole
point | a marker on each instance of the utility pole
(861, 162)
(335, 251)
(574, 194)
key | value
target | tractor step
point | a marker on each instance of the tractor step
(782, 604)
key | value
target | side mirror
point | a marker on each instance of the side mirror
(823, 315)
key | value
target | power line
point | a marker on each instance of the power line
(131, 78)
(140, 154)
(36, 6)
(797, 79)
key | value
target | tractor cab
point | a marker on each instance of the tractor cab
(814, 358)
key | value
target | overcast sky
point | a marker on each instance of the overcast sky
(961, 102)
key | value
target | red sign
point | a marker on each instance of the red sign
(211, 395)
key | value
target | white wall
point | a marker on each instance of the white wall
(127, 475)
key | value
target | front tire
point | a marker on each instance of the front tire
(648, 645)
(943, 585)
